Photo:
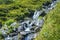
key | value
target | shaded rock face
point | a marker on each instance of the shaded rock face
(13, 34)
(47, 3)
(31, 13)
(54, 0)
(43, 14)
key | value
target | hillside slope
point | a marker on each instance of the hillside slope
(18, 9)
(51, 27)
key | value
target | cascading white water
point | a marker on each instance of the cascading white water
(26, 26)
(36, 14)
(39, 22)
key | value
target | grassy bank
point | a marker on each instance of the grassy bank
(51, 27)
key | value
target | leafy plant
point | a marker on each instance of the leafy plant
(9, 22)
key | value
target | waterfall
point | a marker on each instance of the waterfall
(36, 14)
(38, 22)
(26, 26)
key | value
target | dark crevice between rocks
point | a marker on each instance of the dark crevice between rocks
(43, 14)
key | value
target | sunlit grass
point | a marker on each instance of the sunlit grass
(51, 27)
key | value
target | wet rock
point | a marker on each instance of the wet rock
(15, 30)
(20, 28)
(29, 37)
(13, 24)
(54, 0)
(24, 32)
(13, 34)
(46, 4)
(15, 37)
(43, 14)
(26, 27)
(36, 14)
(8, 38)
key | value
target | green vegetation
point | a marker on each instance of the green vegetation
(17, 9)
(14, 10)
(10, 29)
(1, 37)
(51, 27)
(9, 22)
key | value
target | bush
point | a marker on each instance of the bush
(9, 22)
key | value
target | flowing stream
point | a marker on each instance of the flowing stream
(29, 28)
(38, 22)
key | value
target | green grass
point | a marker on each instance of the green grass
(17, 9)
(14, 10)
(51, 27)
